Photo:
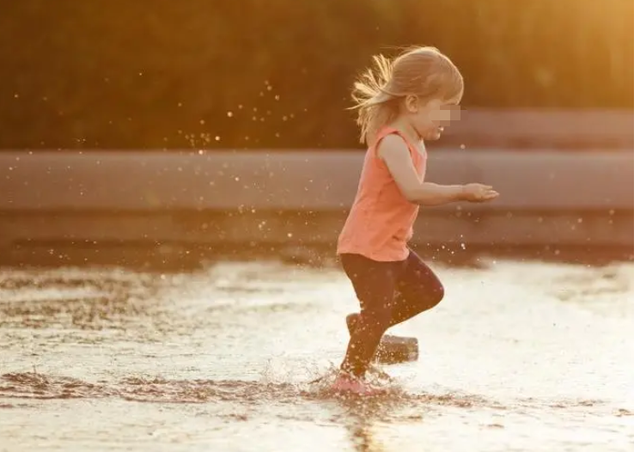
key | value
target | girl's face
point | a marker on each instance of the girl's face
(431, 117)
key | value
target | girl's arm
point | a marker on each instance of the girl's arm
(395, 154)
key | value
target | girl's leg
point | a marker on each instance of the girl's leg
(374, 284)
(417, 289)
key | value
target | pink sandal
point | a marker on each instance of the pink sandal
(345, 382)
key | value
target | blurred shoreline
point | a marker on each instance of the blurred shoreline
(179, 258)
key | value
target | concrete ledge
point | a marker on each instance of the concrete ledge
(300, 181)
(204, 204)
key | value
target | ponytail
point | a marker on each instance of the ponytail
(373, 99)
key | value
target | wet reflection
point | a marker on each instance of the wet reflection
(75, 299)
(359, 420)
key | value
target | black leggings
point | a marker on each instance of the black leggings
(389, 293)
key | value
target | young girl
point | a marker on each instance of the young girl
(401, 104)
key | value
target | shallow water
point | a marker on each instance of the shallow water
(519, 356)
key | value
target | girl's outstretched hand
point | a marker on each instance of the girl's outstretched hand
(479, 193)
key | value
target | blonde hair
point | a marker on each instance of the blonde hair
(421, 71)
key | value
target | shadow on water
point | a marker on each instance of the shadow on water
(359, 421)
(34, 385)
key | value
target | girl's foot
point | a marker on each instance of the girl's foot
(348, 383)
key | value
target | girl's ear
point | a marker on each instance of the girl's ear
(411, 103)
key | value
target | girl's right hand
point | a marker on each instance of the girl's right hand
(479, 193)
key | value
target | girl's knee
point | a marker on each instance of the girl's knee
(436, 295)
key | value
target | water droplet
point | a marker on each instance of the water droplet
(240, 107)
(579, 220)
(229, 114)
(289, 235)
(463, 147)
(277, 97)
(201, 152)
(237, 179)
(202, 122)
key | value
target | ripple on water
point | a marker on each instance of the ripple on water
(33, 385)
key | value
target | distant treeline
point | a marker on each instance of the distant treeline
(277, 73)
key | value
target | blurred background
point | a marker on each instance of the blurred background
(138, 109)
(120, 74)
